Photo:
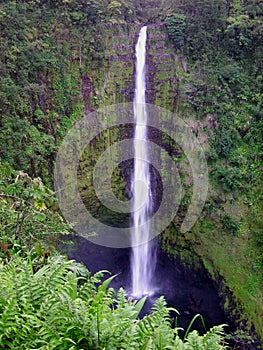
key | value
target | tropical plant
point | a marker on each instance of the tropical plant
(175, 25)
(61, 306)
(26, 215)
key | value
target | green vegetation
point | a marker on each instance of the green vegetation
(221, 97)
(47, 52)
(27, 219)
(61, 306)
(176, 29)
(61, 59)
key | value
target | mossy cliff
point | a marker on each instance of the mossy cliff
(222, 240)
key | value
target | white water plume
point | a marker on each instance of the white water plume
(142, 262)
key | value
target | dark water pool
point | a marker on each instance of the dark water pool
(189, 291)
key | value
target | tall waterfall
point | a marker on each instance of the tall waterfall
(141, 263)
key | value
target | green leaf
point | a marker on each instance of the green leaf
(139, 305)
(104, 286)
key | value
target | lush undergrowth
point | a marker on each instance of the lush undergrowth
(60, 306)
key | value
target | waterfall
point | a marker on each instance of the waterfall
(142, 264)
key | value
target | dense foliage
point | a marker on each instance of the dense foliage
(27, 218)
(46, 49)
(61, 306)
(176, 29)
(222, 87)
(215, 26)
(225, 52)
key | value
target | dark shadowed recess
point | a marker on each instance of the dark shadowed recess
(124, 171)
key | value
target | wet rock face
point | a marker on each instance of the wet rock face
(113, 81)
(87, 91)
(162, 75)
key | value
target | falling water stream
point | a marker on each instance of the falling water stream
(142, 261)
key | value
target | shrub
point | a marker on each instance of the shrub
(175, 25)
(61, 306)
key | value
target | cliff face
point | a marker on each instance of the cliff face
(113, 79)
(173, 85)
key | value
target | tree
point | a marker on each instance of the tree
(26, 215)
(204, 25)
(175, 25)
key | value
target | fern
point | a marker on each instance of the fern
(194, 341)
(214, 338)
(61, 306)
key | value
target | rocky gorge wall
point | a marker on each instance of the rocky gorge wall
(170, 84)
